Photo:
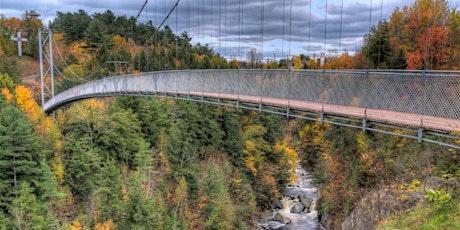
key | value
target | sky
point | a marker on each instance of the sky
(233, 27)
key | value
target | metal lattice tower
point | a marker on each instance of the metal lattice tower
(45, 43)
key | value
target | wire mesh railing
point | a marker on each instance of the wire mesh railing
(418, 92)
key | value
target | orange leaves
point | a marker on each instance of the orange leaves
(119, 42)
(431, 51)
(6, 92)
(14, 25)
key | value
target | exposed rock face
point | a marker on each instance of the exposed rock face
(378, 204)
(375, 206)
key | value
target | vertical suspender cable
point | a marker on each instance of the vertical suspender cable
(225, 28)
(325, 34)
(309, 30)
(165, 42)
(147, 42)
(189, 32)
(220, 27)
(199, 20)
(155, 46)
(241, 29)
(202, 19)
(262, 8)
(284, 23)
(212, 22)
(290, 30)
(341, 25)
(177, 40)
(369, 36)
(380, 36)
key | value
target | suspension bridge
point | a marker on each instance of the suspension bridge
(421, 105)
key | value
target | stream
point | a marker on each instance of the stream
(297, 208)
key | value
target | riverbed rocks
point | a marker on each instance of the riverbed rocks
(305, 200)
(297, 207)
(296, 210)
(281, 218)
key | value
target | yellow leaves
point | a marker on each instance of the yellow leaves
(312, 64)
(180, 193)
(27, 104)
(250, 159)
(250, 163)
(107, 225)
(58, 37)
(165, 165)
(305, 131)
(297, 62)
(270, 181)
(76, 225)
(119, 41)
(6, 81)
(199, 57)
(6, 92)
(289, 158)
(58, 168)
(234, 64)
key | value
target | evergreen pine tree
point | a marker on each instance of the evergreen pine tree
(20, 153)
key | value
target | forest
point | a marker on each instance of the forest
(155, 163)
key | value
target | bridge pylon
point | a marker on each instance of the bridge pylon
(45, 43)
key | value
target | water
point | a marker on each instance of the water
(304, 195)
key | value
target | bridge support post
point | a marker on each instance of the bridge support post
(365, 120)
(321, 118)
(46, 54)
(420, 135)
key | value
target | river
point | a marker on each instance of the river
(297, 208)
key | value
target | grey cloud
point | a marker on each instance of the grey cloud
(239, 21)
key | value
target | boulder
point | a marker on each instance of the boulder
(281, 218)
(272, 225)
(305, 201)
(297, 207)
(277, 204)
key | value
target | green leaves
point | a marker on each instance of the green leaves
(438, 196)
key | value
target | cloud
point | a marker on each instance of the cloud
(239, 24)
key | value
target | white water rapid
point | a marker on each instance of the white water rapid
(297, 209)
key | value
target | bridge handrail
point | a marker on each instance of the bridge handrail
(426, 93)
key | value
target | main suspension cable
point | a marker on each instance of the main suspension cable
(170, 12)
